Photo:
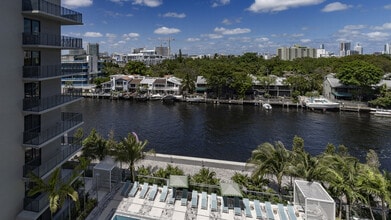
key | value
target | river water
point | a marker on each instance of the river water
(231, 132)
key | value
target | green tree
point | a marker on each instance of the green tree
(188, 85)
(205, 176)
(94, 146)
(241, 83)
(360, 73)
(267, 81)
(136, 67)
(270, 159)
(130, 150)
(56, 190)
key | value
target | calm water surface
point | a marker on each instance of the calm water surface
(231, 132)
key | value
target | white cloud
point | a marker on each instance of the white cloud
(226, 21)
(149, 3)
(166, 30)
(377, 36)
(386, 26)
(217, 3)
(212, 36)
(305, 40)
(92, 34)
(261, 39)
(76, 3)
(190, 39)
(110, 35)
(174, 15)
(119, 1)
(297, 35)
(280, 5)
(336, 6)
(225, 31)
(388, 7)
(132, 35)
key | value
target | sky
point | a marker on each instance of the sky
(231, 26)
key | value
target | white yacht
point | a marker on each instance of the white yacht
(320, 103)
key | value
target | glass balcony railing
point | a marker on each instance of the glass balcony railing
(52, 40)
(41, 201)
(37, 104)
(51, 71)
(67, 150)
(68, 121)
(68, 16)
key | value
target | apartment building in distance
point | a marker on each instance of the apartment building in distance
(33, 126)
(291, 53)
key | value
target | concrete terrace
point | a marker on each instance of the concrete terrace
(119, 202)
(144, 208)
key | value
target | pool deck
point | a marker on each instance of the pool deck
(137, 207)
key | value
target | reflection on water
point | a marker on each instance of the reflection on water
(231, 132)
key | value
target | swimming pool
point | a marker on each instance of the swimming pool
(121, 217)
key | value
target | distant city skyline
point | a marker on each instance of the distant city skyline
(231, 26)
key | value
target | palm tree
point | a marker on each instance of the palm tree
(271, 159)
(342, 175)
(56, 189)
(94, 146)
(130, 150)
(188, 84)
(205, 176)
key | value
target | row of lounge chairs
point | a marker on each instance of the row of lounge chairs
(130, 190)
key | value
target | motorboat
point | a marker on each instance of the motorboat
(381, 112)
(168, 99)
(155, 97)
(267, 106)
(320, 103)
(195, 99)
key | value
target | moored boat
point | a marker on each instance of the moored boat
(381, 112)
(320, 103)
(267, 106)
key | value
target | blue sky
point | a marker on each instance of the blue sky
(231, 26)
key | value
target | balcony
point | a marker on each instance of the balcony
(51, 41)
(68, 122)
(34, 73)
(44, 9)
(67, 151)
(40, 202)
(41, 105)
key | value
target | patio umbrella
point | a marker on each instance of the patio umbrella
(179, 181)
(230, 189)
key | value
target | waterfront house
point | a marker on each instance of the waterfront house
(334, 89)
(201, 84)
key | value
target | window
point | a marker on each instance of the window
(32, 58)
(32, 26)
(32, 156)
(32, 90)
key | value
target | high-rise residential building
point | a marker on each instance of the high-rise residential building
(387, 49)
(93, 49)
(33, 127)
(344, 49)
(291, 53)
(359, 49)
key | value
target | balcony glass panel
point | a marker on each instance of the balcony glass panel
(67, 150)
(53, 9)
(69, 120)
(39, 72)
(44, 39)
(36, 104)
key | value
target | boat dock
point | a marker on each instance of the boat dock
(347, 107)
